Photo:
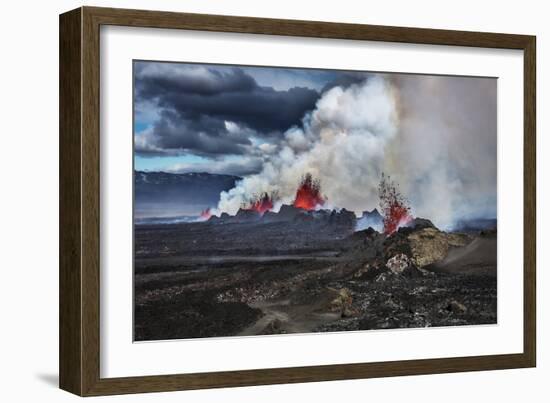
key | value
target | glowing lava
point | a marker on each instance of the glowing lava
(308, 195)
(205, 214)
(261, 204)
(394, 206)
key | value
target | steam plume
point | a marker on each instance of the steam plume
(436, 136)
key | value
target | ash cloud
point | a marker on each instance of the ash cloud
(445, 156)
(342, 142)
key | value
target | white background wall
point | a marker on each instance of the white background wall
(29, 202)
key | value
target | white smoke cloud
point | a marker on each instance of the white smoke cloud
(435, 136)
(342, 144)
(444, 157)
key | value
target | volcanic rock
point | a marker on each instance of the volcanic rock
(286, 213)
(321, 214)
(304, 216)
(429, 245)
(402, 266)
(224, 217)
(367, 234)
(342, 303)
(270, 216)
(247, 215)
(385, 276)
(423, 243)
(420, 223)
(456, 307)
(343, 217)
(369, 271)
(214, 218)
(398, 264)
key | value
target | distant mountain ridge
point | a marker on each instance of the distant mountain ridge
(162, 194)
(160, 177)
(475, 225)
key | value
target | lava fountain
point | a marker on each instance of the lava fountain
(308, 195)
(205, 214)
(261, 204)
(395, 209)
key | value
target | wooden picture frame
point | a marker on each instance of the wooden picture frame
(79, 348)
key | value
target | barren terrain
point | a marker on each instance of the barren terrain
(249, 275)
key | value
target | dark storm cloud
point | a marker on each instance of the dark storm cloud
(262, 109)
(178, 82)
(172, 134)
(345, 79)
(213, 110)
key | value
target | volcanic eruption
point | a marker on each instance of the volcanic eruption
(261, 204)
(395, 209)
(205, 214)
(308, 195)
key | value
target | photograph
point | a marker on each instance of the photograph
(273, 200)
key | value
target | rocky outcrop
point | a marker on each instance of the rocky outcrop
(369, 271)
(286, 213)
(342, 303)
(247, 215)
(402, 265)
(342, 217)
(398, 264)
(398, 267)
(429, 245)
(224, 217)
(423, 243)
(421, 223)
(456, 307)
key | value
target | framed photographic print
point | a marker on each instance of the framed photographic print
(249, 201)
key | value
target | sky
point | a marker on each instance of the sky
(219, 119)
(436, 136)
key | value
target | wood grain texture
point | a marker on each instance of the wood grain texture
(80, 196)
(70, 274)
(316, 29)
(530, 202)
(90, 202)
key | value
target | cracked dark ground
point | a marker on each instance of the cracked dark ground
(248, 277)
